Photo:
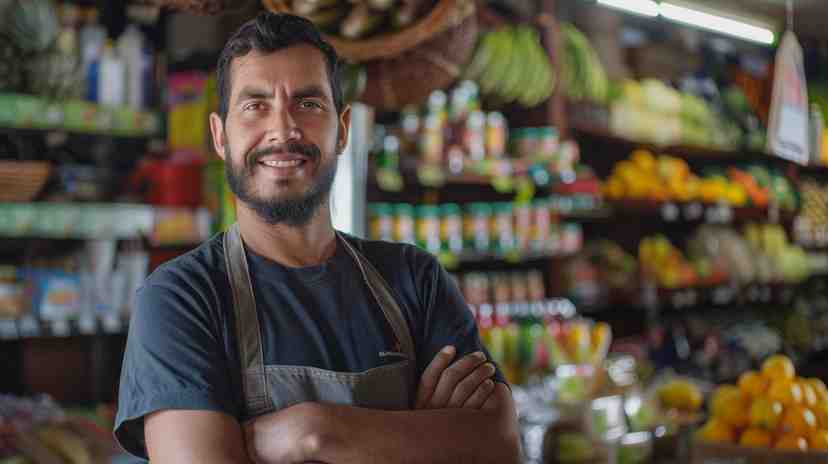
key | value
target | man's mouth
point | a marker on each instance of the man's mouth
(283, 163)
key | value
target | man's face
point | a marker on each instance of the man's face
(282, 135)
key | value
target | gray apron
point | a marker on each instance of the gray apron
(271, 388)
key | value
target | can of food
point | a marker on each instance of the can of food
(542, 221)
(503, 227)
(476, 233)
(523, 226)
(428, 228)
(451, 228)
(497, 134)
(404, 230)
(381, 226)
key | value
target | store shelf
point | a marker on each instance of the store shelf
(695, 212)
(719, 295)
(80, 221)
(453, 262)
(29, 327)
(20, 112)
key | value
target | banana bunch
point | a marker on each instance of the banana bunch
(582, 72)
(355, 19)
(510, 65)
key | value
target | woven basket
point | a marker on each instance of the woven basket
(410, 77)
(445, 15)
(22, 180)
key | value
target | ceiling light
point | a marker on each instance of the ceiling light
(716, 23)
(641, 7)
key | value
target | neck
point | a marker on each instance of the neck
(310, 244)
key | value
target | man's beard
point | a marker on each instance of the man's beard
(292, 211)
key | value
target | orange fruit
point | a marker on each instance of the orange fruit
(809, 396)
(785, 391)
(821, 411)
(818, 439)
(791, 442)
(736, 413)
(756, 437)
(723, 395)
(753, 384)
(798, 420)
(765, 413)
(819, 388)
(716, 431)
(778, 367)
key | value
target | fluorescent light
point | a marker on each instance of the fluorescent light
(717, 23)
(641, 7)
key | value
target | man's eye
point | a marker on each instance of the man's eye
(310, 104)
(253, 107)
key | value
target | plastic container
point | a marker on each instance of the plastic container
(451, 228)
(405, 225)
(112, 77)
(382, 222)
(476, 232)
(428, 228)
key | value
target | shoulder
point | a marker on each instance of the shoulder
(394, 258)
(198, 269)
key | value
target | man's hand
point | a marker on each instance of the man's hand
(463, 384)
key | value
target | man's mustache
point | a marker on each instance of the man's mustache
(306, 149)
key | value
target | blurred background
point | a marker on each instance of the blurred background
(632, 195)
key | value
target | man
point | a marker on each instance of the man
(284, 341)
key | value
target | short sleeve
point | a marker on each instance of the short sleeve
(448, 320)
(174, 359)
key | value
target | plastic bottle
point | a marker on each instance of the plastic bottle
(92, 38)
(132, 52)
(111, 78)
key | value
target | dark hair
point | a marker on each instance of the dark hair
(267, 33)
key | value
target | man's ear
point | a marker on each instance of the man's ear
(344, 128)
(217, 132)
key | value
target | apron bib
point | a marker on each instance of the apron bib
(269, 388)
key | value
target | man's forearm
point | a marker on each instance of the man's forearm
(356, 435)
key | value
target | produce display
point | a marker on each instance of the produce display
(667, 178)
(663, 263)
(482, 229)
(582, 72)
(356, 20)
(811, 226)
(772, 408)
(510, 65)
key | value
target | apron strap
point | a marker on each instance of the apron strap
(386, 301)
(248, 333)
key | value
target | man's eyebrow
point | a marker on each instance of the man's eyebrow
(311, 91)
(254, 93)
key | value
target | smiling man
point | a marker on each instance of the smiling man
(283, 340)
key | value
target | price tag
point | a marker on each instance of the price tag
(112, 323)
(29, 327)
(87, 324)
(722, 295)
(60, 328)
(8, 329)
(693, 211)
(725, 213)
(670, 212)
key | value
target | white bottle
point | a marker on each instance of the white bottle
(112, 77)
(131, 51)
(92, 38)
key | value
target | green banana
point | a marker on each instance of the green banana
(499, 66)
(513, 84)
(328, 19)
(482, 56)
(308, 7)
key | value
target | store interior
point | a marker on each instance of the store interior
(632, 196)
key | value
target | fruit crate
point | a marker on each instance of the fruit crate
(712, 453)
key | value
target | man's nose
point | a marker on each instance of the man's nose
(282, 127)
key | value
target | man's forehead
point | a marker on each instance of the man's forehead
(297, 65)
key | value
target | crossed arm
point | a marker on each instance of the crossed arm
(460, 416)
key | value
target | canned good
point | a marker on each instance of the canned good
(451, 228)
(381, 225)
(404, 230)
(541, 224)
(476, 289)
(476, 233)
(503, 227)
(523, 226)
(428, 228)
(432, 142)
(474, 135)
(497, 133)
(571, 238)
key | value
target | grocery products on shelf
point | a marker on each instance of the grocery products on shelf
(772, 408)
(661, 262)
(667, 178)
(478, 229)
(811, 225)
(510, 65)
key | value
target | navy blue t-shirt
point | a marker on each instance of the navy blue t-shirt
(181, 350)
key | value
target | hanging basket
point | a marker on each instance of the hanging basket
(446, 15)
(22, 180)
(410, 77)
(202, 7)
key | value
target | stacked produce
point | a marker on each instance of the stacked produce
(661, 262)
(772, 408)
(510, 65)
(788, 263)
(654, 112)
(356, 20)
(483, 229)
(582, 72)
(667, 178)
